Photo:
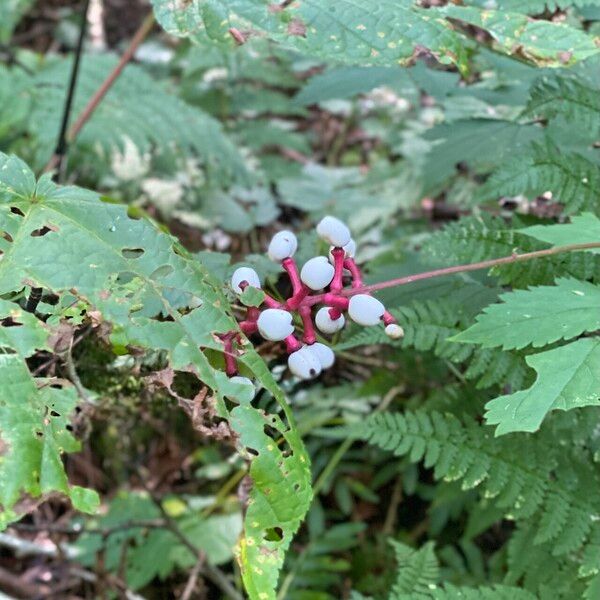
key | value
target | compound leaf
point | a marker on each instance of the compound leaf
(538, 316)
(568, 378)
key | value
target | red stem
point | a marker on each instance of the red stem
(289, 264)
(338, 265)
(351, 265)
(310, 336)
(292, 344)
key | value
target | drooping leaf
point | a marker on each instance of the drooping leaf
(568, 378)
(279, 497)
(538, 316)
(34, 415)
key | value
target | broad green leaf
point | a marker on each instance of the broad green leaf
(583, 229)
(545, 43)
(34, 415)
(20, 331)
(538, 316)
(568, 377)
(155, 296)
(278, 500)
(372, 33)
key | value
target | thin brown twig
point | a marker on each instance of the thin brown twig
(486, 264)
(210, 571)
(94, 101)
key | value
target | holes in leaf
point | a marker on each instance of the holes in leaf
(251, 451)
(132, 252)
(17, 211)
(39, 434)
(10, 322)
(186, 385)
(273, 534)
(69, 427)
(42, 231)
(6, 236)
(53, 413)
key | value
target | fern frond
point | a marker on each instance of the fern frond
(427, 327)
(418, 570)
(567, 97)
(573, 180)
(520, 473)
(473, 239)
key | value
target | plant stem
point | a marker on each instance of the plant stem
(98, 96)
(486, 264)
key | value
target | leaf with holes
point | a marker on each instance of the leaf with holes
(568, 378)
(34, 420)
(280, 494)
(155, 296)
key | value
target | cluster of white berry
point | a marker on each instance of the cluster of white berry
(307, 359)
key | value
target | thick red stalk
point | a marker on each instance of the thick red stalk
(351, 265)
(309, 336)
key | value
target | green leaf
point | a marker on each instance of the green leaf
(569, 98)
(161, 120)
(573, 180)
(542, 42)
(21, 331)
(135, 275)
(11, 12)
(538, 316)
(374, 33)
(34, 415)
(418, 570)
(583, 229)
(279, 498)
(156, 552)
(568, 378)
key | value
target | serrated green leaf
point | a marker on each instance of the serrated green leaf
(568, 378)
(374, 33)
(573, 180)
(135, 275)
(33, 437)
(538, 316)
(279, 497)
(583, 229)
(543, 42)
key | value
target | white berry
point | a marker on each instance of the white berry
(317, 273)
(324, 354)
(335, 232)
(244, 274)
(326, 324)
(275, 324)
(394, 331)
(365, 310)
(239, 380)
(304, 363)
(349, 249)
(283, 245)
